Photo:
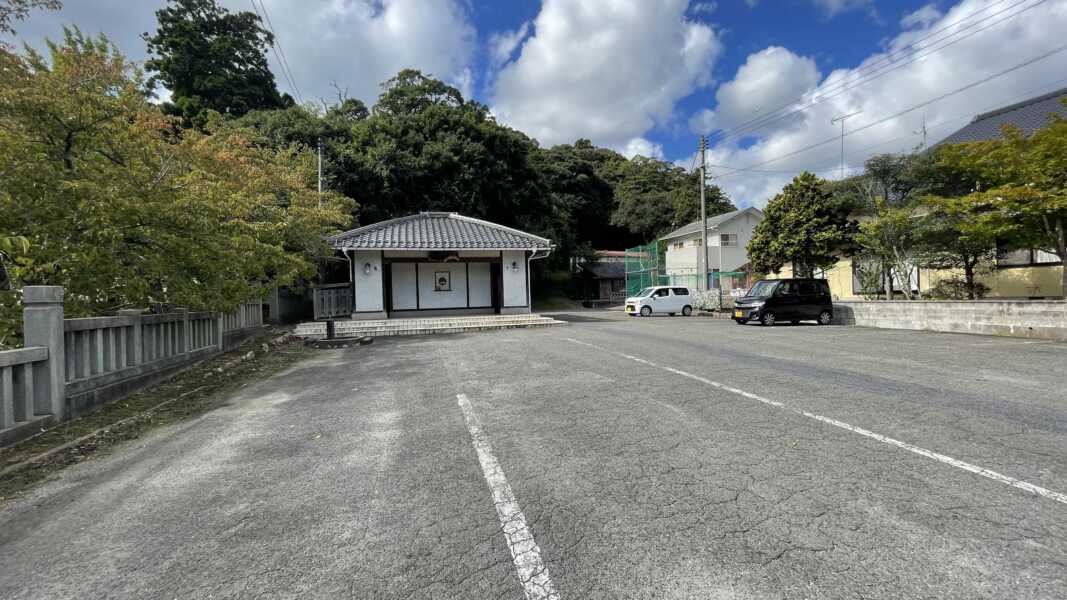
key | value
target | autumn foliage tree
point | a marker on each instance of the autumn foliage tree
(124, 209)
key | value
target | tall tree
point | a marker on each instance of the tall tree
(946, 239)
(655, 196)
(211, 59)
(804, 225)
(1023, 203)
(119, 211)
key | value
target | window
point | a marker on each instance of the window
(1025, 257)
(677, 245)
(681, 291)
(807, 288)
(728, 240)
(662, 292)
(694, 243)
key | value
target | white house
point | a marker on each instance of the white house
(728, 236)
(434, 264)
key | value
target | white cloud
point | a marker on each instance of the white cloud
(503, 44)
(922, 17)
(704, 8)
(605, 70)
(641, 147)
(1032, 33)
(357, 43)
(768, 80)
(702, 121)
(835, 7)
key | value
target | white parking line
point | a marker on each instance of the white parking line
(524, 551)
(948, 460)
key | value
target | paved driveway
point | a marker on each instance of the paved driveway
(613, 458)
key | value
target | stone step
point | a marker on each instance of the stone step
(423, 326)
(349, 325)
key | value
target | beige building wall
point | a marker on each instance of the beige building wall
(1015, 282)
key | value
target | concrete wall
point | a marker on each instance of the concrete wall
(455, 297)
(1015, 282)
(514, 278)
(1038, 319)
(368, 296)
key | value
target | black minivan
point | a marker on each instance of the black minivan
(775, 300)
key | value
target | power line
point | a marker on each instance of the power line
(907, 110)
(868, 74)
(276, 45)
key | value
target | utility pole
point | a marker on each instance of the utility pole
(703, 214)
(320, 172)
(841, 119)
(922, 131)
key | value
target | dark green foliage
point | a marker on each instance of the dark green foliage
(805, 225)
(211, 59)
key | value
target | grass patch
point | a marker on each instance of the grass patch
(188, 394)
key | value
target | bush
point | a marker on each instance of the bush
(954, 288)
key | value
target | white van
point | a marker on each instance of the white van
(660, 299)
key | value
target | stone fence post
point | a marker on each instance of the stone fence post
(42, 319)
(135, 345)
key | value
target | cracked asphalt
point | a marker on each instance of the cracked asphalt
(353, 474)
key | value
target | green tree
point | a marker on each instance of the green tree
(1021, 196)
(211, 60)
(804, 225)
(654, 196)
(17, 10)
(121, 212)
(946, 239)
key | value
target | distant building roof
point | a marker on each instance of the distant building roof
(616, 254)
(605, 270)
(713, 222)
(437, 231)
(1028, 115)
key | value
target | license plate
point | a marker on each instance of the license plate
(738, 314)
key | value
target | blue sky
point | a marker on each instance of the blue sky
(647, 76)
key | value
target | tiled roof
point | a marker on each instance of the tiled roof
(438, 231)
(694, 227)
(1028, 115)
(605, 270)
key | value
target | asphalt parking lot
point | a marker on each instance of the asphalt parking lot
(611, 458)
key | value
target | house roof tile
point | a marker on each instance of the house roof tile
(1028, 115)
(437, 231)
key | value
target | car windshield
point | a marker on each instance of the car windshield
(645, 292)
(762, 289)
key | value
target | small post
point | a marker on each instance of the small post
(219, 328)
(135, 345)
(42, 318)
(185, 343)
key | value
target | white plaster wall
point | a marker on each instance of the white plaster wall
(368, 286)
(481, 292)
(686, 260)
(429, 299)
(404, 289)
(514, 279)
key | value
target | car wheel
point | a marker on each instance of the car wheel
(687, 310)
(767, 319)
(795, 322)
(826, 317)
(670, 314)
(646, 311)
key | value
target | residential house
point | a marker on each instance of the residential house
(1028, 273)
(728, 237)
(603, 280)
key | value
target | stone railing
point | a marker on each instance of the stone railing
(70, 366)
(1038, 319)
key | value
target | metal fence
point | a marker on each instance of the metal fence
(644, 267)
